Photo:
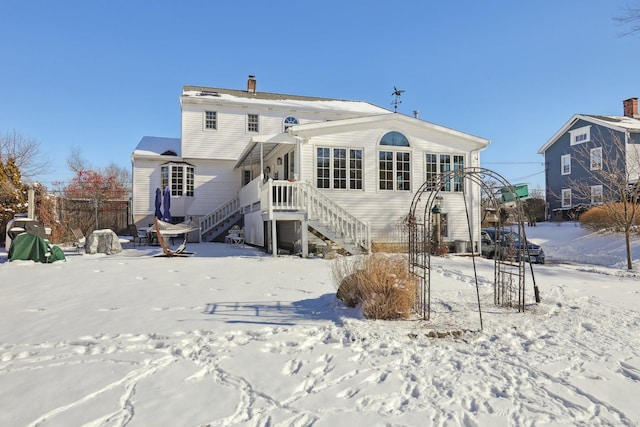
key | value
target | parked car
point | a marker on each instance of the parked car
(487, 245)
(506, 245)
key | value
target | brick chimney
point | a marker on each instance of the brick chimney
(631, 108)
(251, 87)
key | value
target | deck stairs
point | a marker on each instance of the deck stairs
(214, 226)
(325, 218)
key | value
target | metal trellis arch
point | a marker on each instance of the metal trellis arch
(425, 241)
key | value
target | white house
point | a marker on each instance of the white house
(285, 165)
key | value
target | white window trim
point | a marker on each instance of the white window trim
(394, 149)
(563, 162)
(204, 121)
(596, 190)
(566, 194)
(286, 125)
(348, 169)
(438, 167)
(185, 181)
(576, 133)
(246, 127)
(591, 165)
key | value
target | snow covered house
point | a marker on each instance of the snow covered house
(582, 150)
(285, 167)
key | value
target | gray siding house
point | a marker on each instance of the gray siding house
(285, 167)
(584, 147)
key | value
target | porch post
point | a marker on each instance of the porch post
(274, 238)
(304, 238)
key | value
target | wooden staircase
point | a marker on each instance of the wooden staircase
(215, 225)
(324, 218)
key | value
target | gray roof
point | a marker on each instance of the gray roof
(620, 123)
(283, 100)
(632, 124)
(212, 91)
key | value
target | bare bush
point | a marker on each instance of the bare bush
(600, 217)
(382, 284)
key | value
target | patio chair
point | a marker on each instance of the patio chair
(138, 235)
(80, 239)
(235, 236)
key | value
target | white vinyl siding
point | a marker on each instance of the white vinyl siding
(214, 154)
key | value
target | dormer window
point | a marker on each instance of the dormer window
(289, 121)
(580, 135)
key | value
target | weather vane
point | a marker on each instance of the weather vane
(396, 101)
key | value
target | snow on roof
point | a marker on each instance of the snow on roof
(282, 100)
(625, 122)
(621, 123)
(157, 146)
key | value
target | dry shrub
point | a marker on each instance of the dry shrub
(348, 290)
(382, 284)
(604, 217)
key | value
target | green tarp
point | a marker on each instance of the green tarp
(520, 191)
(30, 247)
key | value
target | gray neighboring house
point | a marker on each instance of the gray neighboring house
(592, 136)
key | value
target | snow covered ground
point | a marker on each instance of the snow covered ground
(232, 336)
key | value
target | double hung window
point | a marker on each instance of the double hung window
(339, 168)
(253, 121)
(565, 164)
(566, 197)
(596, 194)
(595, 158)
(210, 120)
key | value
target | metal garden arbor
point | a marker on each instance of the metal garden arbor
(423, 224)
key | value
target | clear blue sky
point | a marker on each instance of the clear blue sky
(100, 75)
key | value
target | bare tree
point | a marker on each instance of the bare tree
(76, 162)
(25, 152)
(614, 167)
(629, 18)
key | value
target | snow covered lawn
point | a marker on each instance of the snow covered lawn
(232, 336)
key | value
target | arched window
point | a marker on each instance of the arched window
(394, 139)
(289, 121)
(394, 163)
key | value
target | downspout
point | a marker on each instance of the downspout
(262, 158)
(476, 153)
